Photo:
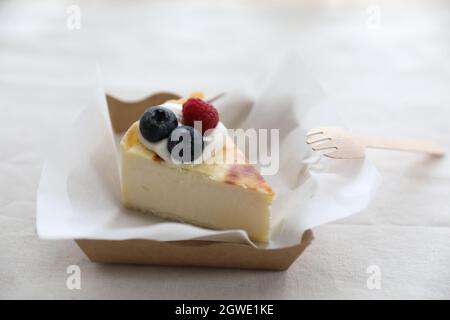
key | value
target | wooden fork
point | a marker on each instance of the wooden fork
(338, 143)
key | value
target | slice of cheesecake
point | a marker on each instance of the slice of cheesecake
(212, 194)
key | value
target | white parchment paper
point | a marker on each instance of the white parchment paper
(79, 191)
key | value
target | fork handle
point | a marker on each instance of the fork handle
(402, 145)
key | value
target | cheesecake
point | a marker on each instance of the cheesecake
(220, 191)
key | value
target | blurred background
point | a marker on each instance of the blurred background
(384, 65)
(366, 54)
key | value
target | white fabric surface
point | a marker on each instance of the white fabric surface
(388, 80)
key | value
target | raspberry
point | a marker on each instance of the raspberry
(199, 110)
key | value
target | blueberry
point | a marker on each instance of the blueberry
(185, 138)
(157, 123)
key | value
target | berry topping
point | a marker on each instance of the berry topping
(157, 123)
(199, 110)
(185, 144)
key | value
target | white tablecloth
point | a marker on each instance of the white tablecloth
(385, 67)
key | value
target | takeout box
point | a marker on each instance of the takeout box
(193, 253)
(182, 253)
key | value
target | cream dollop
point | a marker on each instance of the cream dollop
(213, 139)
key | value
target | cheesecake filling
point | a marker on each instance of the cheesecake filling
(213, 139)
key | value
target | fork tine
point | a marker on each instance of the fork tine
(314, 132)
(315, 135)
(328, 152)
(333, 153)
(324, 145)
(316, 138)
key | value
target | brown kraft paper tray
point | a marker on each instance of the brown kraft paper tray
(181, 253)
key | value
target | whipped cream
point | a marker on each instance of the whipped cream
(213, 140)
